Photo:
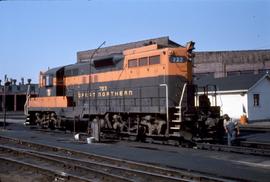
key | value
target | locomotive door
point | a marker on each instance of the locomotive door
(60, 86)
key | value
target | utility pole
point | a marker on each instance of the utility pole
(4, 106)
(89, 82)
(6, 83)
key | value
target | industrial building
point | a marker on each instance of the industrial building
(15, 94)
(230, 63)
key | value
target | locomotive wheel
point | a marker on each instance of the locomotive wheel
(186, 135)
(163, 129)
(45, 124)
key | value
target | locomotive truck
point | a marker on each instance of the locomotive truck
(146, 91)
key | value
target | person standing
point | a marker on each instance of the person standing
(231, 128)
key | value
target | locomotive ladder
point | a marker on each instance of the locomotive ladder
(175, 124)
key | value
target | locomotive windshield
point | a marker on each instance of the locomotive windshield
(49, 81)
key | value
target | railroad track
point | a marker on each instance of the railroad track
(253, 144)
(13, 115)
(57, 165)
(79, 166)
(257, 129)
(21, 169)
(243, 148)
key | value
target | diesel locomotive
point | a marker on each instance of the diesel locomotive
(145, 91)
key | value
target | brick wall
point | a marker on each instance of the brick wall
(221, 63)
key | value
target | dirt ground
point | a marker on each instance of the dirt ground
(10, 173)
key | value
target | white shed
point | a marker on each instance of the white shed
(241, 94)
(258, 98)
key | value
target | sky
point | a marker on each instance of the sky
(39, 34)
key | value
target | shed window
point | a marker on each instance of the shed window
(154, 60)
(143, 61)
(132, 63)
(256, 100)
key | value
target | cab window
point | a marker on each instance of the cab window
(132, 63)
(154, 60)
(49, 80)
(143, 61)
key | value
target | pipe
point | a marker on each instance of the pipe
(167, 107)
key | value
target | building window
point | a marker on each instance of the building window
(32, 88)
(200, 75)
(256, 100)
(233, 73)
(132, 63)
(247, 72)
(263, 70)
(143, 61)
(154, 60)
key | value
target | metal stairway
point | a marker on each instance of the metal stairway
(175, 124)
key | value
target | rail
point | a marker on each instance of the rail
(243, 147)
(235, 149)
(113, 167)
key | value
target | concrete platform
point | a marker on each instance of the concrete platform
(245, 167)
(256, 132)
(262, 125)
(13, 115)
(258, 137)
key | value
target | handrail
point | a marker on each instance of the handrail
(27, 100)
(180, 102)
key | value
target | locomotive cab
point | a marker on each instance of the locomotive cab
(51, 95)
(51, 83)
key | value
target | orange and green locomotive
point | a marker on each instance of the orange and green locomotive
(144, 91)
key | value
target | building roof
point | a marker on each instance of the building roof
(19, 89)
(230, 83)
(266, 76)
(53, 70)
(84, 56)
